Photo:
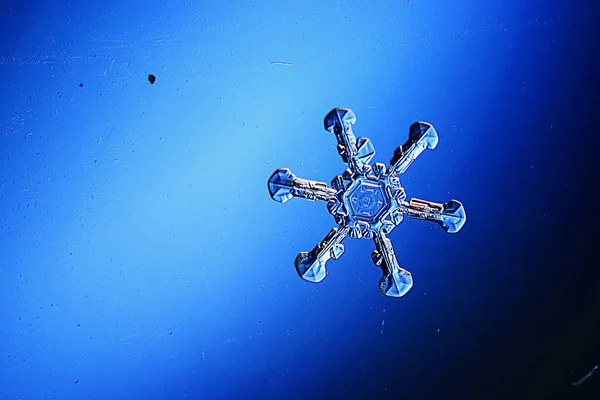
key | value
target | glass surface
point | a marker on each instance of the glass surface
(142, 254)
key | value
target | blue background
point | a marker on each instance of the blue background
(140, 253)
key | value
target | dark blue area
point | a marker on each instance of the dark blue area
(140, 253)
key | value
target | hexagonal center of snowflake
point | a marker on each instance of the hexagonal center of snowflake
(366, 200)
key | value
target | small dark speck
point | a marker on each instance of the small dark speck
(78, 325)
(81, 85)
(170, 333)
(70, 254)
(77, 381)
(52, 305)
(151, 79)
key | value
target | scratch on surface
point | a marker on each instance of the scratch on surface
(204, 272)
(586, 377)
(283, 63)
